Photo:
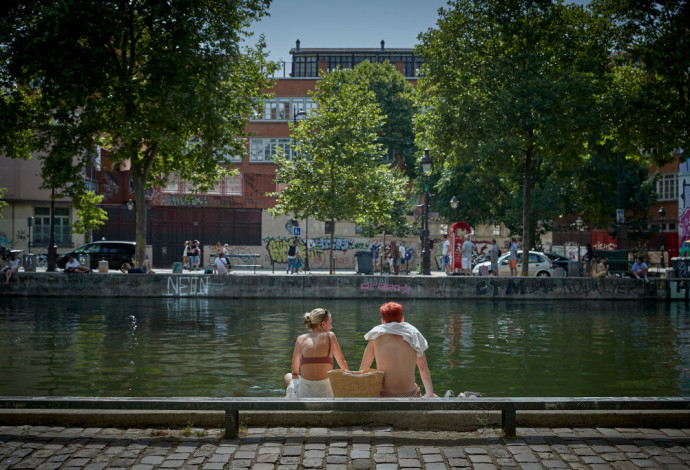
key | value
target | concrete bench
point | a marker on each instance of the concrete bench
(248, 261)
(232, 406)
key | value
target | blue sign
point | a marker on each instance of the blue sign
(620, 216)
(296, 231)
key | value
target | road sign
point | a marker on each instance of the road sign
(296, 231)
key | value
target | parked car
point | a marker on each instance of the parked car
(559, 262)
(116, 253)
(539, 265)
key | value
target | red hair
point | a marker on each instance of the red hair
(391, 312)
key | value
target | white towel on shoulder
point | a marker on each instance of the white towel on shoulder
(408, 332)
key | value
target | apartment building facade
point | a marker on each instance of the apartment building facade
(235, 211)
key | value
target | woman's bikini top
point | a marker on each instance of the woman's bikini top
(327, 359)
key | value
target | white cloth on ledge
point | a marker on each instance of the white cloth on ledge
(408, 332)
(303, 388)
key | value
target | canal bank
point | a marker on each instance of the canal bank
(454, 421)
(266, 285)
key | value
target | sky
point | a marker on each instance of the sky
(344, 24)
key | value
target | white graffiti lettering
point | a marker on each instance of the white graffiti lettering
(186, 286)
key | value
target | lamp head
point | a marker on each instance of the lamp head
(426, 163)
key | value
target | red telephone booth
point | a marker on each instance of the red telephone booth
(458, 232)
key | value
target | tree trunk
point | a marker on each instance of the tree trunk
(139, 179)
(526, 239)
(382, 252)
(332, 259)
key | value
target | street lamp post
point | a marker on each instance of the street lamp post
(295, 115)
(662, 213)
(52, 249)
(454, 204)
(426, 164)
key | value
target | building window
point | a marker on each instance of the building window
(304, 66)
(282, 109)
(337, 61)
(172, 185)
(231, 157)
(233, 185)
(262, 150)
(667, 187)
(497, 230)
(63, 232)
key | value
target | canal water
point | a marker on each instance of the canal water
(226, 347)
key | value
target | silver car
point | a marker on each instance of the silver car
(539, 265)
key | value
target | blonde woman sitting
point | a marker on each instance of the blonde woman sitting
(313, 358)
(600, 269)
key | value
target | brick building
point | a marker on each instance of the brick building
(234, 212)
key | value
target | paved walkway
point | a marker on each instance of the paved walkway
(37, 447)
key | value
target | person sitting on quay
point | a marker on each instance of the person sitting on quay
(313, 358)
(145, 269)
(398, 347)
(222, 265)
(12, 268)
(639, 269)
(600, 269)
(73, 266)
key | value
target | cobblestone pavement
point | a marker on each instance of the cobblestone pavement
(40, 447)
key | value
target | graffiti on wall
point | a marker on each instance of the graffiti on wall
(4, 240)
(344, 249)
(176, 200)
(109, 187)
(683, 201)
(277, 248)
(186, 286)
(385, 286)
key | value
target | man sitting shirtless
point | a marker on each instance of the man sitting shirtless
(398, 347)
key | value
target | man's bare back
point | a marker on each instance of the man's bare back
(395, 356)
(397, 347)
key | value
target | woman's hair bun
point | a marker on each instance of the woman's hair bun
(315, 317)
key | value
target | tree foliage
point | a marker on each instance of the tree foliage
(651, 44)
(91, 217)
(395, 97)
(163, 85)
(510, 92)
(335, 173)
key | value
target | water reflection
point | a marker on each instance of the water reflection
(223, 347)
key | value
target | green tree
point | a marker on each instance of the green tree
(161, 84)
(510, 89)
(395, 97)
(91, 217)
(652, 74)
(335, 173)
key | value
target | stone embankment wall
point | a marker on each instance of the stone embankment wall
(342, 287)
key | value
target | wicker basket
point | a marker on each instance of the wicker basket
(363, 383)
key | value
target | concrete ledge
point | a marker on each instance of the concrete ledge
(266, 286)
(441, 421)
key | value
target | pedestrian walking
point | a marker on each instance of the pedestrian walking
(186, 263)
(292, 254)
(513, 259)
